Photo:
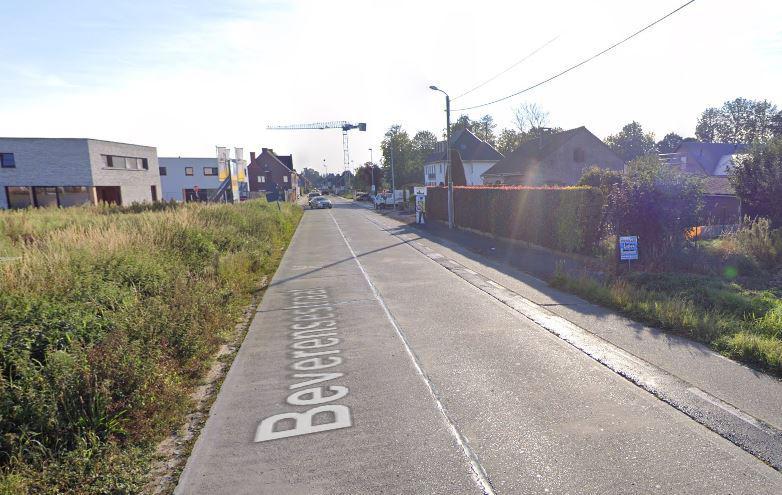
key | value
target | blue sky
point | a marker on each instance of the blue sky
(186, 76)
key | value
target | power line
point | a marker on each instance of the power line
(578, 64)
(536, 50)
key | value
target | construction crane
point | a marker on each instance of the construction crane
(339, 124)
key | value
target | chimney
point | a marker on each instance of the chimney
(252, 156)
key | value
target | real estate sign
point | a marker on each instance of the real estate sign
(628, 247)
(419, 191)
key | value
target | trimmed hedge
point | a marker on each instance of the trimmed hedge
(562, 218)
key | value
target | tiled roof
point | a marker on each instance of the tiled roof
(471, 148)
(708, 155)
(718, 186)
(533, 151)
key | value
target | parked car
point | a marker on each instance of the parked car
(363, 197)
(319, 202)
(313, 194)
(386, 200)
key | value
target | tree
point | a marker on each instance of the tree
(464, 122)
(757, 179)
(601, 178)
(669, 143)
(405, 168)
(365, 174)
(631, 142)
(657, 203)
(739, 121)
(484, 129)
(529, 116)
(509, 140)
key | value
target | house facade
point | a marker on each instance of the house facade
(69, 172)
(270, 173)
(188, 179)
(477, 156)
(553, 159)
(712, 162)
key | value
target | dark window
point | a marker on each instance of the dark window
(74, 195)
(154, 193)
(144, 164)
(188, 170)
(45, 196)
(7, 160)
(210, 170)
(19, 197)
(579, 155)
(127, 162)
(163, 171)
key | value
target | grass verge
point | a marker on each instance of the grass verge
(742, 324)
(108, 319)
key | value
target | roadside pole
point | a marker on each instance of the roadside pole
(393, 182)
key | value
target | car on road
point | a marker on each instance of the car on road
(313, 194)
(363, 197)
(319, 202)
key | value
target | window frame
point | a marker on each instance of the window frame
(191, 171)
(163, 171)
(4, 163)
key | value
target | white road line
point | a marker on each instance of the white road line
(481, 478)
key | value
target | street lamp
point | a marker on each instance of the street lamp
(372, 169)
(447, 152)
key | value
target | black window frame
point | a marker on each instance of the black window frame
(163, 171)
(5, 163)
(212, 171)
(191, 171)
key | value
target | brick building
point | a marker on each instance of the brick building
(70, 172)
(269, 173)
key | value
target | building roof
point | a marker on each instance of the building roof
(708, 155)
(533, 151)
(286, 160)
(470, 147)
(718, 186)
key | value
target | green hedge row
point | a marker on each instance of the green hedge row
(566, 219)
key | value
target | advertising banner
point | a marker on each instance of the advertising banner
(222, 163)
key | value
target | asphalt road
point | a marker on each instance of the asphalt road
(375, 367)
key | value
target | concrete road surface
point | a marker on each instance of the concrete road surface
(372, 368)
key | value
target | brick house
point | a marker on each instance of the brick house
(555, 159)
(268, 173)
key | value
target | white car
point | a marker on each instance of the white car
(386, 200)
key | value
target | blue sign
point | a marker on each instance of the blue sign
(628, 247)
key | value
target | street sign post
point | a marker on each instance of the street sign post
(628, 248)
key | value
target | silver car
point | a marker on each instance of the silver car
(319, 202)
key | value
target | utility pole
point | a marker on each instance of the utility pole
(372, 169)
(448, 154)
(393, 183)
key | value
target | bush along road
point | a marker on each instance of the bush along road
(108, 318)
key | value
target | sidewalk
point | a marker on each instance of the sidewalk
(524, 271)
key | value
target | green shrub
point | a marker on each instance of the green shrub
(757, 240)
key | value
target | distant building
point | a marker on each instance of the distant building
(477, 157)
(269, 173)
(712, 161)
(181, 176)
(69, 172)
(554, 159)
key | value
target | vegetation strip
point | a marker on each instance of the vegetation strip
(108, 321)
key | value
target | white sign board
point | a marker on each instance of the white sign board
(419, 191)
(628, 247)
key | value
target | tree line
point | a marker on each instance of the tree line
(741, 120)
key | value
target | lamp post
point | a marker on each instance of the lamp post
(448, 152)
(372, 169)
(393, 183)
